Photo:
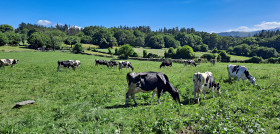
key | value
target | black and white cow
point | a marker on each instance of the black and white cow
(112, 63)
(240, 72)
(189, 62)
(203, 82)
(65, 64)
(213, 62)
(101, 62)
(76, 62)
(125, 64)
(149, 82)
(166, 63)
(8, 62)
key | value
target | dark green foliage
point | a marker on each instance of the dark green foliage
(254, 59)
(151, 55)
(189, 39)
(78, 48)
(109, 50)
(273, 60)
(156, 41)
(116, 51)
(266, 53)
(185, 52)
(3, 39)
(219, 58)
(203, 48)
(215, 50)
(13, 38)
(243, 49)
(145, 53)
(134, 54)
(38, 39)
(170, 41)
(6, 28)
(208, 56)
(70, 40)
(171, 53)
(104, 38)
(125, 51)
(224, 56)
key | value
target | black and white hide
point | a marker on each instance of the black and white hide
(66, 64)
(189, 62)
(166, 63)
(240, 72)
(76, 63)
(101, 62)
(125, 64)
(112, 63)
(149, 82)
(8, 62)
(203, 82)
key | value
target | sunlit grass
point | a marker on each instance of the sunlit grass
(91, 99)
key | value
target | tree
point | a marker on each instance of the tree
(6, 28)
(224, 56)
(189, 39)
(171, 53)
(204, 48)
(145, 53)
(38, 39)
(185, 52)
(72, 40)
(78, 48)
(13, 38)
(3, 39)
(170, 41)
(104, 38)
(156, 42)
(125, 51)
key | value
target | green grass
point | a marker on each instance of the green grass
(91, 99)
(14, 48)
(159, 52)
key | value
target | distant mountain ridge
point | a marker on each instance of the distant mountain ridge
(243, 34)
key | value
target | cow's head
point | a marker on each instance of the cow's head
(217, 87)
(15, 61)
(253, 81)
(175, 95)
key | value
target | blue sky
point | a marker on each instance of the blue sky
(203, 15)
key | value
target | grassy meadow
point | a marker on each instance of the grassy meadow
(91, 99)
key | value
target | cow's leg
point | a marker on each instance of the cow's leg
(153, 96)
(58, 68)
(204, 92)
(133, 97)
(126, 97)
(213, 92)
(198, 97)
(159, 94)
(74, 68)
(194, 92)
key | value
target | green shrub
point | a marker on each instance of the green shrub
(254, 59)
(109, 50)
(208, 56)
(224, 56)
(185, 52)
(145, 53)
(125, 51)
(78, 48)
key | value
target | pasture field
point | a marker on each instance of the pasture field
(91, 99)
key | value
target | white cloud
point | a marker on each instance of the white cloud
(77, 27)
(44, 22)
(263, 26)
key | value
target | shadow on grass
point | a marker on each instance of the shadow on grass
(188, 101)
(126, 106)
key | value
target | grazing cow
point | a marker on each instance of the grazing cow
(112, 63)
(166, 63)
(213, 61)
(76, 62)
(237, 71)
(148, 82)
(125, 64)
(199, 60)
(65, 64)
(8, 62)
(203, 82)
(189, 62)
(101, 62)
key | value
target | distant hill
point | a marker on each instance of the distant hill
(243, 34)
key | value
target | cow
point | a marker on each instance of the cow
(112, 63)
(76, 62)
(166, 63)
(213, 61)
(8, 62)
(101, 62)
(240, 72)
(155, 82)
(189, 62)
(125, 64)
(65, 64)
(202, 82)
(199, 60)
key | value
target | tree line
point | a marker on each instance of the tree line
(265, 44)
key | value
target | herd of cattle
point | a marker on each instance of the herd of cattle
(157, 82)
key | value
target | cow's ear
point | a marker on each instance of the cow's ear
(218, 84)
